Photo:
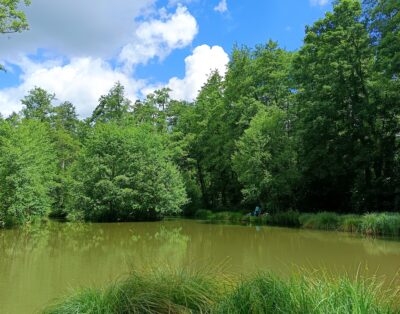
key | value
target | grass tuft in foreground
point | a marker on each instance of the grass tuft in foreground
(157, 292)
(269, 294)
(181, 292)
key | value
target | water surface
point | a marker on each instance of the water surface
(39, 265)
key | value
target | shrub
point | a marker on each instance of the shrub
(203, 214)
(323, 220)
(381, 224)
(236, 217)
(285, 219)
(350, 223)
(221, 216)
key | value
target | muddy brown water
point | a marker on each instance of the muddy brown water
(42, 264)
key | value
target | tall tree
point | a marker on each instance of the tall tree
(64, 116)
(154, 110)
(266, 162)
(335, 113)
(64, 135)
(383, 20)
(211, 146)
(27, 171)
(38, 105)
(112, 106)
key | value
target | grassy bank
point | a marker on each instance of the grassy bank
(181, 292)
(375, 224)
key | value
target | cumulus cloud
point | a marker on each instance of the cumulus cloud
(198, 66)
(158, 37)
(222, 6)
(176, 2)
(319, 2)
(82, 81)
(73, 28)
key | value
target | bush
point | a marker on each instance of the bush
(285, 219)
(350, 223)
(323, 221)
(203, 214)
(236, 217)
(221, 216)
(381, 224)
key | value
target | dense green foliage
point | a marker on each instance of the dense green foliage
(182, 292)
(265, 161)
(116, 166)
(12, 19)
(311, 130)
(27, 171)
(124, 174)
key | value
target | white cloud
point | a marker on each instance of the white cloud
(222, 6)
(176, 2)
(319, 2)
(158, 37)
(73, 28)
(199, 65)
(82, 81)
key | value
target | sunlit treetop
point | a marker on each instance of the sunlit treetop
(12, 18)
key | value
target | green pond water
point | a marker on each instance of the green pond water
(45, 263)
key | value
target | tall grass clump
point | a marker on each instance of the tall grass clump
(267, 293)
(261, 294)
(387, 224)
(158, 292)
(182, 292)
(350, 223)
(227, 216)
(322, 221)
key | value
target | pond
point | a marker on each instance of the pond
(41, 264)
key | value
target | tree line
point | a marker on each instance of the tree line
(310, 130)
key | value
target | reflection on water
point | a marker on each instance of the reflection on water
(42, 263)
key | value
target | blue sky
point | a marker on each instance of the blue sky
(145, 44)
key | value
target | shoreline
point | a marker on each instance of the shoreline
(371, 224)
